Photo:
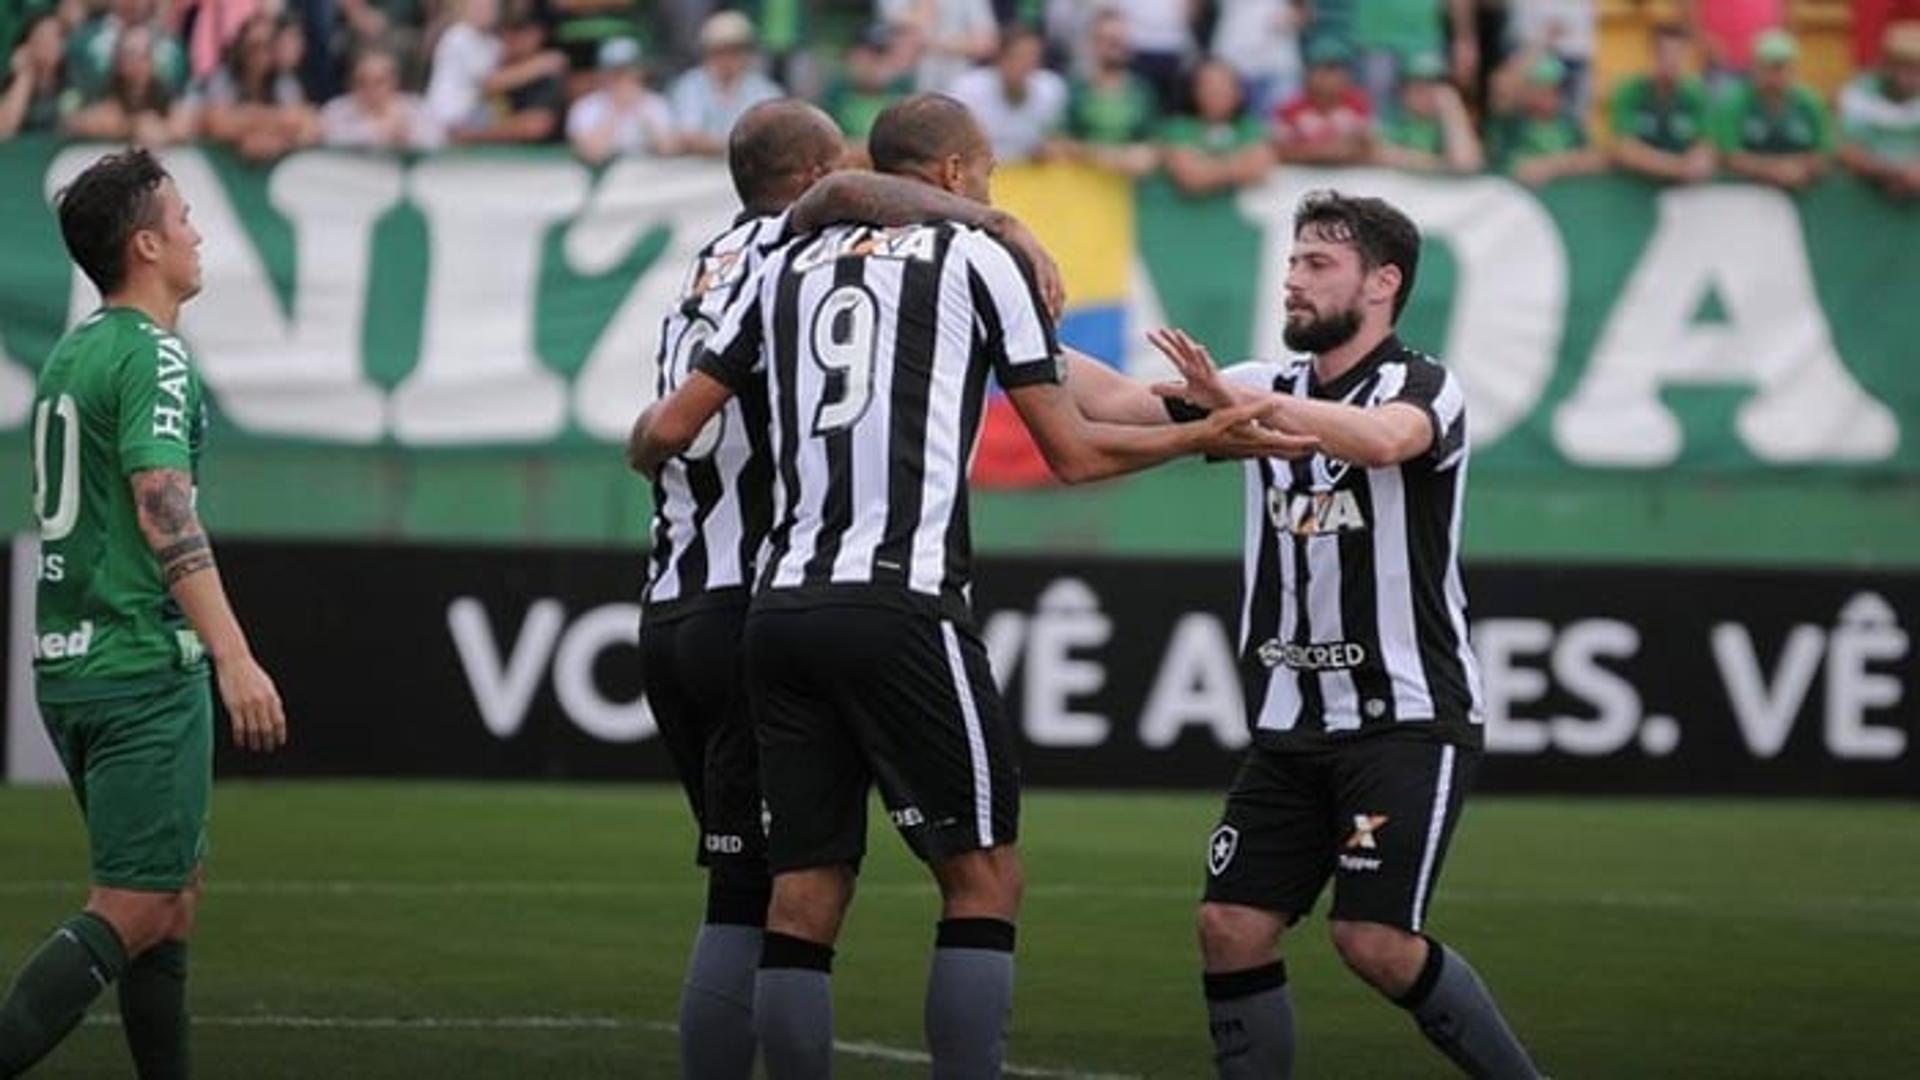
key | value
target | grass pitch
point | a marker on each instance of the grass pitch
(420, 931)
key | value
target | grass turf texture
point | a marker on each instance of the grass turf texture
(1625, 938)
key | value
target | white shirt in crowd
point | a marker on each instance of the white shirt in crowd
(1568, 26)
(700, 104)
(634, 123)
(1016, 130)
(1259, 39)
(1157, 26)
(345, 123)
(462, 61)
(943, 19)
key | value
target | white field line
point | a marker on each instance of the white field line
(1033, 891)
(851, 1048)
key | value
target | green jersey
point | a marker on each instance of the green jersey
(1228, 137)
(1797, 124)
(1114, 117)
(1411, 131)
(118, 395)
(1673, 120)
(1519, 136)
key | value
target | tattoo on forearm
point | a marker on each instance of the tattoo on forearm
(188, 566)
(175, 552)
(166, 499)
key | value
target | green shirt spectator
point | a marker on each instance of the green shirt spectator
(1113, 115)
(1428, 129)
(1880, 117)
(90, 51)
(1534, 134)
(1220, 146)
(1791, 122)
(1672, 118)
(1213, 137)
(1519, 137)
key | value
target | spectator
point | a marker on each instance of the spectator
(1535, 136)
(1566, 30)
(623, 116)
(1387, 33)
(1880, 116)
(1222, 146)
(1260, 40)
(1729, 29)
(374, 115)
(1871, 19)
(93, 50)
(525, 96)
(1112, 112)
(1331, 121)
(137, 106)
(1660, 119)
(1429, 130)
(946, 37)
(1017, 102)
(1160, 33)
(463, 58)
(1770, 127)
(708, 99)
(871, 82)
(33, 100)
(392, 27)
(253, 102)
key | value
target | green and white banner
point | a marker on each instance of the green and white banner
(513, 300)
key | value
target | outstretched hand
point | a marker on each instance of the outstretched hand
(1202, 385)
(1046, 272)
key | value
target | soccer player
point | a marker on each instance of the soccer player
(130, 610)
(864, 665)
(1360, 684)
(712, 505)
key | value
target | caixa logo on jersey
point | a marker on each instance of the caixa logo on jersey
(505, 673)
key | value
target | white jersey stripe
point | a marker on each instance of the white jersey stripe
(854, 562)
(1456, 591)
(976, 740)
(1393, 574)
(941, 451)
(1341, 699)
(1436, 828)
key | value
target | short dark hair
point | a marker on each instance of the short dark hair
(105, 205)
(919, 131)
(773, 145)
(1377, 230)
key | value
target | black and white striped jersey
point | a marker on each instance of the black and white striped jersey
(875, 345)
(712, 503)
(1355, 616)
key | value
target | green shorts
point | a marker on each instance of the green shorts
(142, 768)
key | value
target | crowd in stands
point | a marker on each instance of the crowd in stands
(1214, 93)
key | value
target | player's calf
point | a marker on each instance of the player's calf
(1445, 996)
(970, 983)
(1249, 1010)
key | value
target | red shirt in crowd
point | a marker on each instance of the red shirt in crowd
(1302, 122)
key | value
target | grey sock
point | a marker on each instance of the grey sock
(1250, 1016)
(969, 998)
(716, 1003)
(1457, 1014)
(793, 1008)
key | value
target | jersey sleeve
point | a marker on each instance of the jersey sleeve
(1437, 392)
(733, 355)
(1011, 319)
(157, 400)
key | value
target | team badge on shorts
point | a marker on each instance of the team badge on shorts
(1221, 847)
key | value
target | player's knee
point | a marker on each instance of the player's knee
(981, 883)
(810, 903)
(1233, 936)
(141, 919)
(1380, 954)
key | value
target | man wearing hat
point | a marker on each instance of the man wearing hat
(1331, 121)
(623, 116)
(1429, 130)
(1770, 127)
(708, 99)
(1880, 117)
(1660, 118)
(1534, 135)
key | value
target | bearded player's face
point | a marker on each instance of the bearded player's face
(1325, 279)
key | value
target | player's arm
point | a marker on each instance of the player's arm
(1375, 437)
(163, 501)
(876, 199)
(1079, 450)
(1104, 395)
(728, 361)
(669, 425)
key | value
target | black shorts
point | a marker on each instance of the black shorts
(1375, 815)
(850, 697)
(693, 678)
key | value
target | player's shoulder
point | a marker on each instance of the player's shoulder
(1419, 364)
(1257, 374)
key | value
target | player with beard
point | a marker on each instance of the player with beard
(1360, 685)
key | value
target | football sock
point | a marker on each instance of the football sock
(153, 1011)
(793, 1007)
(1457, 1014)
(969, 998)
(1250, 1016)
(716, 1003)
(51, 992)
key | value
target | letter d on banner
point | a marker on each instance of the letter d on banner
(30, 756)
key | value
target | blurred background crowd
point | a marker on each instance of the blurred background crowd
(1214, 92)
